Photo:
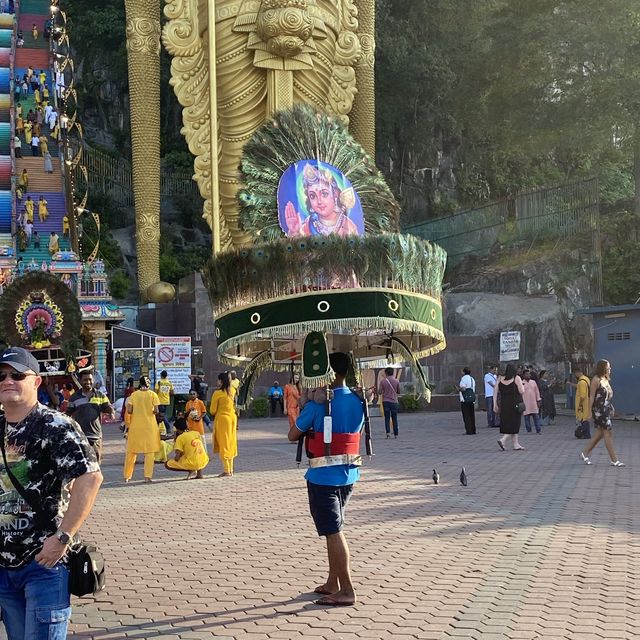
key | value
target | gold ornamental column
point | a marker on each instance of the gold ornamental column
(143, 47)
(362, 119)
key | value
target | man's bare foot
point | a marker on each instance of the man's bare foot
(338, 599)
(327, 589)
(199, 475)
(190, 476)
(224, 475)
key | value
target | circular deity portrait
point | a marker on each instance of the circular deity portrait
(315, 198)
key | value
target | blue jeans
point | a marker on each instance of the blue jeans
(491, 416)
(35, 602)
(536, 422)
(390, 413)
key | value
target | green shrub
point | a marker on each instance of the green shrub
(409, 402)
(119, 284)
(259, 407)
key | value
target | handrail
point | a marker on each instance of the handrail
(115, 176)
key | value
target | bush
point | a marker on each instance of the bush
(174, 266)
(409, 403)
(119, 284)
(259, 407)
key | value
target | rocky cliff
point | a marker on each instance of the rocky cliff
(538, 298)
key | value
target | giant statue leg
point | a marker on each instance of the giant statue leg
(143, 46)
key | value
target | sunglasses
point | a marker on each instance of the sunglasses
(14, 375)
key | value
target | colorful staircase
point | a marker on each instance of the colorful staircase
(35, 53)
(6, 199)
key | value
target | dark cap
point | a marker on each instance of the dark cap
(20, 359)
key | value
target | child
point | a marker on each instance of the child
(36, 239)
(189, 454)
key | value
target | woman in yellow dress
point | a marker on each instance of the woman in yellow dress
(292, 392)
(43, 212)
(28, 128)
(23, 181)
(143, 434)
(19, 125)
(28, 209)
(44, 145)
(225, 424)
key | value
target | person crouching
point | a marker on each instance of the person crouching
(189, 452)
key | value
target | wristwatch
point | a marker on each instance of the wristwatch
(64, 537)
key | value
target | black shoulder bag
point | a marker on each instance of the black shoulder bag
(84, 561)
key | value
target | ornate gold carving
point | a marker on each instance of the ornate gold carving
(363, 113)
(183, 38)
(143, 35)
(269, 55)
(143, 29)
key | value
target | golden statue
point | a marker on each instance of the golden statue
(268, 55)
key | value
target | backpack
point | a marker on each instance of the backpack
(468, 396)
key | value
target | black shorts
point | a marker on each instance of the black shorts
(327, 506)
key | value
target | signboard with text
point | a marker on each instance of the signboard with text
(173, 355)
(509, 346)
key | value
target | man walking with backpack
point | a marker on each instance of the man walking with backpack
(42, 452)
(467, 387)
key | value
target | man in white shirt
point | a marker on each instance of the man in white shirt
(490, 381)
(35, 146)
(467, 389)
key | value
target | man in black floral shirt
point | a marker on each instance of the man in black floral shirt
(45, 451)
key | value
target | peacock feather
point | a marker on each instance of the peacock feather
(305, 133)
(293, 265)
(30, 286)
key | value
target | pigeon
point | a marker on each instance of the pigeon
(463, 477)
(436, 477)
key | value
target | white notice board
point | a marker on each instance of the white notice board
(509, 346)
(173, 355)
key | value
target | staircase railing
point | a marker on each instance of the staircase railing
(113, 176)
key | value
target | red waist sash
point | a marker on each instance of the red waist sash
(341, 443)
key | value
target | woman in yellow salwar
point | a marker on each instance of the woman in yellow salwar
(143, 434)
(225, 424)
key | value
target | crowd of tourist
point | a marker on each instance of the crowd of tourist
(522, 392)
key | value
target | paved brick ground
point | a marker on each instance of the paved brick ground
(537, 546)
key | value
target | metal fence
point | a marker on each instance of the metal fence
(553, 212)
(113, 177)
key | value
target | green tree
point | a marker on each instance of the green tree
(567, 86)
